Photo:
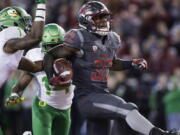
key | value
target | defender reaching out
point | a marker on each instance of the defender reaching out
(51, 107)
(17, 35)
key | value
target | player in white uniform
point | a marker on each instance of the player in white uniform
(17, 36)
(51, 107)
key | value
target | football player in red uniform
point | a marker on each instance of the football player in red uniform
(92, 51)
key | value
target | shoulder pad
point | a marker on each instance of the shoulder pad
(115, 38)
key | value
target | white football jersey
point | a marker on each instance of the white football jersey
(59, 99)
(9, 61)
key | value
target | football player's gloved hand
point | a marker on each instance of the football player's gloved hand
(14, 99)
(140, 64)
(40, 1)
(63, 73)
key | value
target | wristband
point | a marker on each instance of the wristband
(14, 94)
(127, 64)
(40, 12)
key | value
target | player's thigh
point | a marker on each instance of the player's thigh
(41, 119)
(98, 127)
(104, 106)
(120, 127)
(61, 124)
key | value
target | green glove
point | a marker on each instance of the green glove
(13, 100)
(40, 1)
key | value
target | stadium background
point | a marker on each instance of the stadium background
(149, 29)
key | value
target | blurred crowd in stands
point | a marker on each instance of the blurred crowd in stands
(149, 29)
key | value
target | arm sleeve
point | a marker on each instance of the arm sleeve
(72, 39)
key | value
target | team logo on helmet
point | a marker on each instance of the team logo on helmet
(95, 17)
(12, 12)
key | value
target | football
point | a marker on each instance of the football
(63, 71)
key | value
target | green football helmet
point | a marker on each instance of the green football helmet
(53, 35)
(15, 16)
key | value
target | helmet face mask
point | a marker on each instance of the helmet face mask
(47, 47)
(102, 23)
(95, 17)
(15, 16)
(28, 23)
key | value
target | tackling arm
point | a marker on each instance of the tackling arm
(27, 65)
(54, 53)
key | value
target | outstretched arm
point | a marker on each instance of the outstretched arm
(119, 64)
(29, 66)
(34, 37)
(23, 83)
(17, 90)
